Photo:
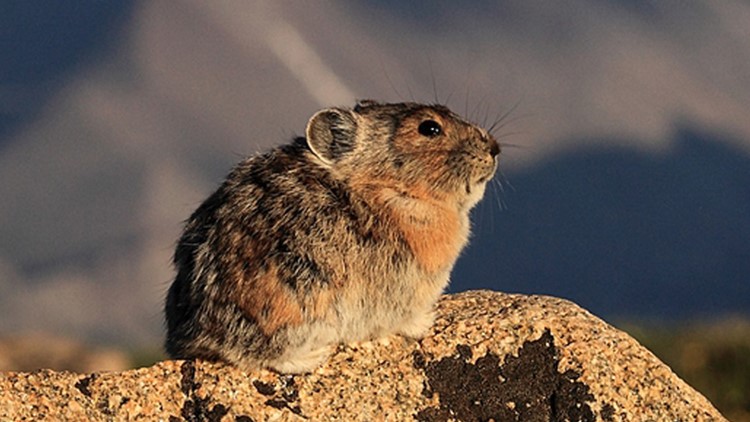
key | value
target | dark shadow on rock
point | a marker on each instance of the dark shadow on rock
(622, 232)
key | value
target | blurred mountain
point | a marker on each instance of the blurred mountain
(43, 45)
(623, 233)
(117, 120)
(34, 351)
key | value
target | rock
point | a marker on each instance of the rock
(489, 356)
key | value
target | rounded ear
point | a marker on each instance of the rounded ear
(330, 133)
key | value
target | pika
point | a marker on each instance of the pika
(347, 234)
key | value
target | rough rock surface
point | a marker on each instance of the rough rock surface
(490, 356)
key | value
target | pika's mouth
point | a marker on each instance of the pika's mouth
(490, 173)
(480, 166)
(481, 181)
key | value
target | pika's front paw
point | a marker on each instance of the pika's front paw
(419, 325)
(301, 362)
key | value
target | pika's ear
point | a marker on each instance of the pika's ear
(330, 133)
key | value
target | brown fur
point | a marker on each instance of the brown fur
(347, 234)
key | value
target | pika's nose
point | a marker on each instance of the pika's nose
(494, 148)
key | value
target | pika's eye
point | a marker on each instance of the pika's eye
(430, 128)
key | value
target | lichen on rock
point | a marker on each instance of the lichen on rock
(524, 387)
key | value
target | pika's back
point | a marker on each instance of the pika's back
(346, 234)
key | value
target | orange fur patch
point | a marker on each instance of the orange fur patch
(436, 247)
(431, 226)
(269, 302)
(433, 234)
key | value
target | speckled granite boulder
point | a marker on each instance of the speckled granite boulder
(491, 356)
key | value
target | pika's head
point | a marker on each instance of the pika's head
(413, 149)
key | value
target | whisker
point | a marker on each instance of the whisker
(498, 184)
(488, 207)
(466, 101)
(505, 180)
(506, 134)
(482, 102)
(504, 116)
(499, 125)
(390, 82)
(434, 83)
(507, 145)
(450, 96)
(486, 115)
(499, 190)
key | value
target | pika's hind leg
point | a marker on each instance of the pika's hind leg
(418, 324)
(301, 361)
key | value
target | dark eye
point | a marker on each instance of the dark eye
(430, 128)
